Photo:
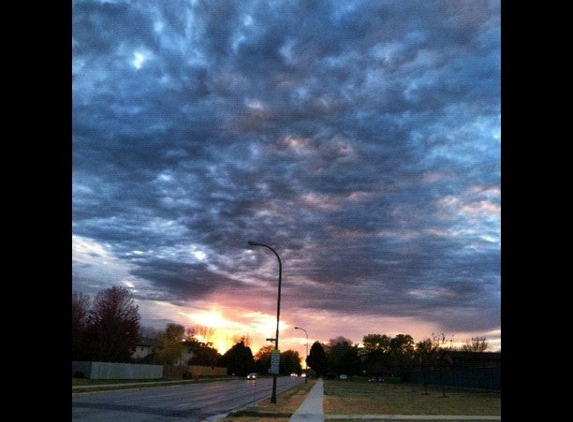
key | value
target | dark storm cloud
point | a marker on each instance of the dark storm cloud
(181, 281)
(360, 138)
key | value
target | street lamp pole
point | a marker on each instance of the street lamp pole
(274, 393)
(306, 357)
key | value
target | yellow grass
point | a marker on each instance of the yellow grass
(358, 397)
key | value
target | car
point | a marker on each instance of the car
(294, 374)
(252, 376)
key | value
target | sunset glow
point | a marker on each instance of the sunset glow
(210, 319)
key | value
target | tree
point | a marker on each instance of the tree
(350, 363)
(264, 351)
(317, 360)
(245, 339)
(402, 355)
(203, 354)
(376, 342)
(434, 355)
(476, 344)
(171, 346)
(425, 351)
(376, 355)
(443, 358)
(338, 340)
(238, 360)
(290, 363)
(263, 359)
(113, 325)
(203, 351)
(335, 351)
(80, 314)
(204, 334)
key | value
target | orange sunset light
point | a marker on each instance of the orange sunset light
(213, 326)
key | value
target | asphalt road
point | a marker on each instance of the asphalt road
(189, 402)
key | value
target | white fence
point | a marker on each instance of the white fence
(110, 370)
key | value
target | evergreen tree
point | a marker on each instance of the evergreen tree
(238, 360)
(317, 359)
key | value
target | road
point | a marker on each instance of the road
(189, 402)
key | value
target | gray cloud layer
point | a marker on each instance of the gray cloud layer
(360, 139)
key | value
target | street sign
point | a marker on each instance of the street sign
(275, 362)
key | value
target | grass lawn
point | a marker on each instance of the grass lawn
(360, 397)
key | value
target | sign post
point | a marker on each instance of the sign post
(275, 361)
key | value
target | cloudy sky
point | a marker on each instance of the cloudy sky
(360, 139)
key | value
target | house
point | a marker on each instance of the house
(463, 359)
(185, 356)
(144, 347)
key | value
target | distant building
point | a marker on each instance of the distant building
(144, 347)
(186, 355)
(462, 359)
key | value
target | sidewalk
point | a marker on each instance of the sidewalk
(311, 410)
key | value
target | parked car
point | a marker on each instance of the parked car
(252, 376)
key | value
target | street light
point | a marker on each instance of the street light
(306, 357)
(276, 339)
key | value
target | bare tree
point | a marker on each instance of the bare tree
(203, 334)
(476, 344)
(80, 313)
(113, 325)
(245, 339)
(434, 356)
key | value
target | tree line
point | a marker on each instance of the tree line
(107, 329)
(382, 356)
